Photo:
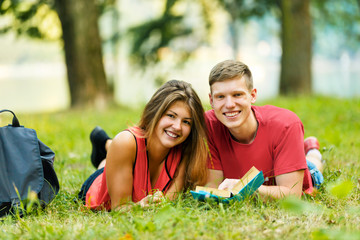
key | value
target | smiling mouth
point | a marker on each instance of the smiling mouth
(231, 114)
(171, 134)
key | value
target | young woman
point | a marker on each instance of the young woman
(165, 152)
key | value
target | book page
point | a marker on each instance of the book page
(245, 180)
(214, 191)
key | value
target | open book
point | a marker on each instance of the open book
(247, 185)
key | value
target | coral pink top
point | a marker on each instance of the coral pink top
(98, 197)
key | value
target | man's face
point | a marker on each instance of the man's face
(231, 101)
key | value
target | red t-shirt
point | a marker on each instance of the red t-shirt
(278, 147)
(98, 197)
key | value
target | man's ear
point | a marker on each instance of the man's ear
(253, 94)
(211, 100)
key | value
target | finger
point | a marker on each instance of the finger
(223, 186)
(145, 201)
(158, 194)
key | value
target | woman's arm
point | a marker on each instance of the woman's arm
(119, 168)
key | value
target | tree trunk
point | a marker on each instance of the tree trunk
(82, 44)
(295, 77)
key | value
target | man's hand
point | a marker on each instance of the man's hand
(228, 184)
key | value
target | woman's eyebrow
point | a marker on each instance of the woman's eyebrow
(177, 115)
(173, 112)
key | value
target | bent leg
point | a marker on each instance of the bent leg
(314, 160)
(98, 138)
(311, 148)
(103, 162)
(315, 157)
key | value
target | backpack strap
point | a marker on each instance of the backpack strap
(15, 121)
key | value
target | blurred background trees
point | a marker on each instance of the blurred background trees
(81, 41)
(165, 35)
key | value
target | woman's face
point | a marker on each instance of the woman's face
(175, 125)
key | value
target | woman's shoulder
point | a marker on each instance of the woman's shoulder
(124, 141)
(122, 150)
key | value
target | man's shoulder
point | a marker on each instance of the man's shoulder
(275, 115)
(212, 123)
(210, 116)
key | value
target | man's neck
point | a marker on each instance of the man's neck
(246, 133)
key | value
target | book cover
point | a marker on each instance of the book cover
(247, 185)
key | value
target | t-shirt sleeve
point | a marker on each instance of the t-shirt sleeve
(289, 155)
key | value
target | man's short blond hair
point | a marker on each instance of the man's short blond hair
(230, 69)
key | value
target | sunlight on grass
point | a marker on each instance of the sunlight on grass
(332, 214)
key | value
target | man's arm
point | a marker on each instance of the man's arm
(286, 184)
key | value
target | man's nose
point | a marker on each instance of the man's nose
(229, 103)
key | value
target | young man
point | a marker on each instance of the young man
(241, 136)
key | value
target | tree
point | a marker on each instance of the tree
(295, 76)
(80, 35)
(82, 45)
(296, 38)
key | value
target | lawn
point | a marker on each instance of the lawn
(334, 213)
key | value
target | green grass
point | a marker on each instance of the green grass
(332, 214)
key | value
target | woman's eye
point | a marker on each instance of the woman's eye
(170, 115)
(187, 122)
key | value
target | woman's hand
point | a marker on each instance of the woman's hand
(157, 197)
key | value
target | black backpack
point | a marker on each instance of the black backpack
(26, 165)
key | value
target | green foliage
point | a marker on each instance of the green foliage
(243, 10)
(333, 17)
(24, 20)
(323, 216)
(152, 35)
(170, 34)
(149, 37)
(31, 17)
